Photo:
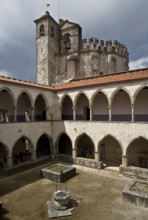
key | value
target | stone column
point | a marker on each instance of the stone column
(9, 162)
(97, 157)
(124, 161)
(110, 113)
(133, 112)
(27, 116)
(74, 153)
(91, 113)
(14, 113)
(33, 155)
(48, 115)
(74, 113)
(32, 113)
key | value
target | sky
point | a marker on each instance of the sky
(122, 20)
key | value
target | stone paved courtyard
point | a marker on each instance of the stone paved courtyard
(25, 195)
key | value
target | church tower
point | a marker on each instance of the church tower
(46, 48)
(62, 54)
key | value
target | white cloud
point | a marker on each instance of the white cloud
(139, 63)
(5, 73)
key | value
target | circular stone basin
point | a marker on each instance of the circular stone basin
(61, 199)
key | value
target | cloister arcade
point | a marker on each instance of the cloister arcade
(109, 150)
(22, 108)
(40, 137)
(120, 106)
(23, 151)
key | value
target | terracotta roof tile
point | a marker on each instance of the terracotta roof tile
(23, 82)
(91, 81)
(104, 79)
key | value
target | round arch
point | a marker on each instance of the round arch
(137, 152)
(85, 146)
(110, 150)
(121, 105)
(22, 149)
(64, 144)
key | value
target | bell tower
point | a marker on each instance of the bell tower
(46, 48)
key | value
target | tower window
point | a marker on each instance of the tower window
(113, 64)
(66, 41)
(42, 30)
(52, 31)
(95, 65)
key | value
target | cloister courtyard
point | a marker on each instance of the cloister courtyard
(24, 196)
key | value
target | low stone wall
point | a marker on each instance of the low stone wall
(88, 163)
(139, 198)
(27, 165)
(137, 172)
(58, 177)
(64, 158)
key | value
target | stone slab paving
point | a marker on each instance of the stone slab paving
(25, 195)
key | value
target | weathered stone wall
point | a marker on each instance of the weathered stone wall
(58, 61)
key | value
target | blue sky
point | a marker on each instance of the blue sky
(122, 20)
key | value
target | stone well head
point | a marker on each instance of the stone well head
(61, 199)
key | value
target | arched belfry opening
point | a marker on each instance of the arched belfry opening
(65, 145)
(110, 151)
(43, 147)
(85, 147)
(66, 41)
(137, 153)
(42, 30)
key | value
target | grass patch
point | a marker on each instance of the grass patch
(140, 187)
(58, 168)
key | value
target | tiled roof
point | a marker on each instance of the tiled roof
(133, 75)
(23, 82)
(104, 79)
